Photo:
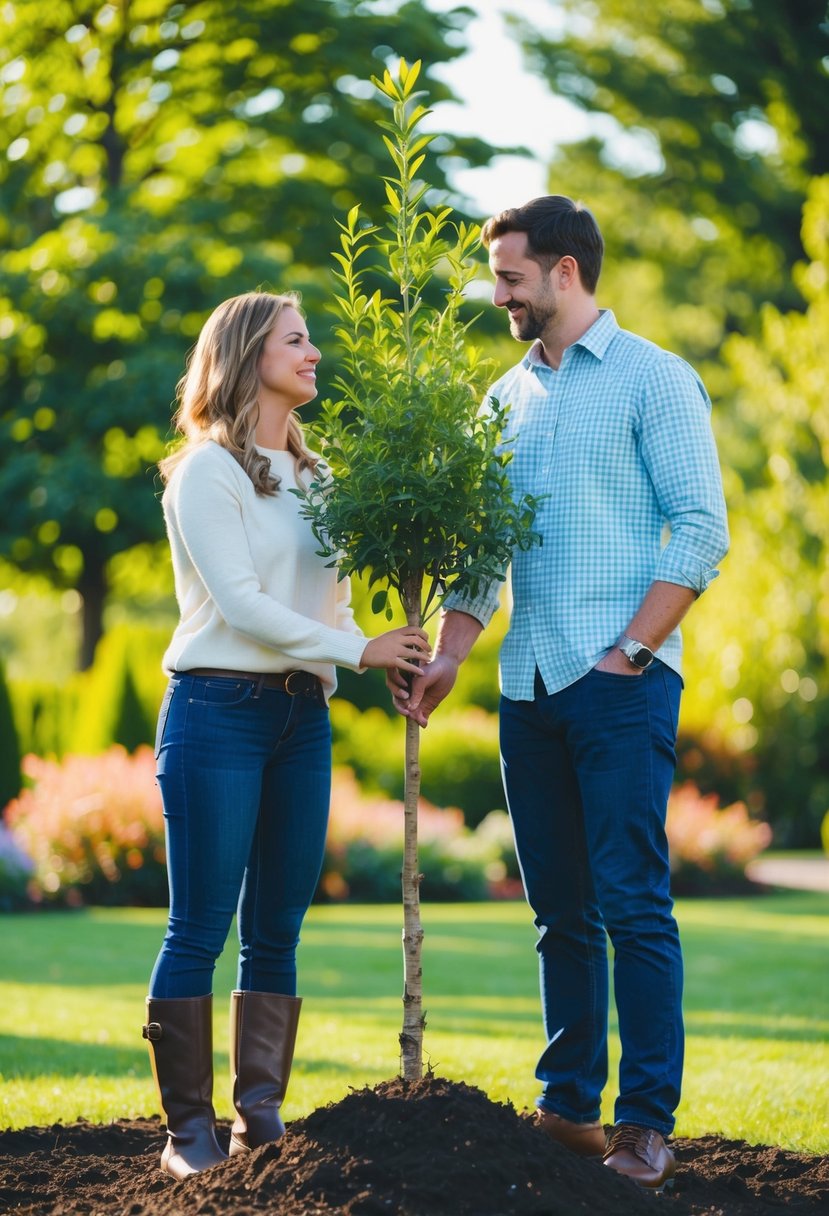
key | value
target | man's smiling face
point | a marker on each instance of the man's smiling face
(523, 286)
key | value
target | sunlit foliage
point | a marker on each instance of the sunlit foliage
(156, 158)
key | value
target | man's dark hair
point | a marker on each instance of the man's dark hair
(555, 226)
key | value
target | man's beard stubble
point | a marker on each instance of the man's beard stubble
(532, 324)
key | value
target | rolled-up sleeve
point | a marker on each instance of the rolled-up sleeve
(482, 606)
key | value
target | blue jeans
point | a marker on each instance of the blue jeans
(587, 774)
(246, 783)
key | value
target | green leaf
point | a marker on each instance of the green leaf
(379, 601)
(419, 496)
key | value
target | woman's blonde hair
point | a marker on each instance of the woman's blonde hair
(218, 393)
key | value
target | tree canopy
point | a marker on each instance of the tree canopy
(709, 134)
(709, 121)
(765, 641)
(159, 157)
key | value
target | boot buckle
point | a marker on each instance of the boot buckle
(152, 1031)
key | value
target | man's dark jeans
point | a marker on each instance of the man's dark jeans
(587, 773)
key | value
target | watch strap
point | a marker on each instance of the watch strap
(632, 649)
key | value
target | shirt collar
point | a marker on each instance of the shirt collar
(596, 339)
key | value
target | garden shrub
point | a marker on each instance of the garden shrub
(496, 830)
(711, 846)
(16, 868)
(45, 713)
(459, 756)
(115, 701)
(89, 830)
(370, 743)
(111, 707)
(364, 852)
(461, 762)
(10, 778)
(94, 829)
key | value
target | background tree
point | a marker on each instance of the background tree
(709, 120)
(707, 137)
(419, 499)
(767, 642)
(155, 158)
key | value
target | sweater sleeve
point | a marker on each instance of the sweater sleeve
(345, 613)
(203, 506)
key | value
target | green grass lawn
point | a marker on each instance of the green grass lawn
(72, 989)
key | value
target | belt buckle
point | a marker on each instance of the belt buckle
(301, 678)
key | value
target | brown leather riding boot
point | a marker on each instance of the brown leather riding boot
(263, 1028)
(179, 1034)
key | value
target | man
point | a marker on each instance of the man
(613, 435)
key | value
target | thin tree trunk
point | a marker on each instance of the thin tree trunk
(92, 588)
(411, 1036)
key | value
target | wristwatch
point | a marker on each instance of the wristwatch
(638, 653)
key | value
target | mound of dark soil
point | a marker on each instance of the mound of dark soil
(428, 1148)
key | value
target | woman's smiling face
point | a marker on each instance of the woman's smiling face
(287, 365)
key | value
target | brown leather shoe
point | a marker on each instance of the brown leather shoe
(585, 1139)
(642, 1155)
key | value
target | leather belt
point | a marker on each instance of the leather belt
(295, 683)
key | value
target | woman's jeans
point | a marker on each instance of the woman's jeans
(587, 774)
(245, 781)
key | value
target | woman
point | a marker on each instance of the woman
(244, 739)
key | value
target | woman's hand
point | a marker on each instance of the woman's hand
(402, 648)
(417, 698)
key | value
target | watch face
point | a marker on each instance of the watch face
(637, 653)
(643, 657)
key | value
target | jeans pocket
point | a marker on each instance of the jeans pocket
(672, 685)
(225, 693)
(617, 677)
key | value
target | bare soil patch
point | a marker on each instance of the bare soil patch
(427, 1148)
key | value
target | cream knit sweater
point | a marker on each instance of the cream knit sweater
(252, 593)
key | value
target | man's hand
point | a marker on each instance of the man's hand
(619, 664)
(417, 699)
(660, 612)
(432, 683)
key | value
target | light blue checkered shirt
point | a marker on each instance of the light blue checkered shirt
(618, 440)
